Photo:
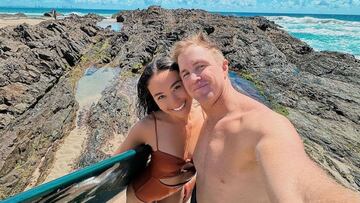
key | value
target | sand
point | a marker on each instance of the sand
(67, 153)
(13, 21)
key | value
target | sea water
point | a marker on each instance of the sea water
(329, 33)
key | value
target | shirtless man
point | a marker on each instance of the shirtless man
(246, 152)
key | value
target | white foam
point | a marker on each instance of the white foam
(310, 20)
(323, 34)
(330, 32)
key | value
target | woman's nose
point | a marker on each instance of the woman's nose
(174, 97)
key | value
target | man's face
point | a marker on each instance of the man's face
(203, 73)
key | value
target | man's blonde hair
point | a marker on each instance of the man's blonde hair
(198, 39)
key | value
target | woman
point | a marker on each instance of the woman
(171, 127)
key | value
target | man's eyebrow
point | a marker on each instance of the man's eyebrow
(198, 61)
(172, 85)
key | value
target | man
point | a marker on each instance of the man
(246, 152)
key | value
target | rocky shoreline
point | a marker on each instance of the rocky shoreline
(317, 91)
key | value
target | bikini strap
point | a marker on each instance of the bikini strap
(203, 114)
(157, 143)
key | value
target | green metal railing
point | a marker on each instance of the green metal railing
(74, 177)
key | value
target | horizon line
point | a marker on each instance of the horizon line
(211, 11)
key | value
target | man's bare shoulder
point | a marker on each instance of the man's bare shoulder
(248, 122)
(252, 119)
(268, 125)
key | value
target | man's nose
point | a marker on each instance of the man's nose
(194, 77)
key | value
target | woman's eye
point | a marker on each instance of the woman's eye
(177, 87)
(161, 97)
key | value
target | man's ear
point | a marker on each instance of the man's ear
(225, 66)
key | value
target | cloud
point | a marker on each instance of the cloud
(301, 5)
(332, 3)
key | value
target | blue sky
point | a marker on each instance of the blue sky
(272, 6)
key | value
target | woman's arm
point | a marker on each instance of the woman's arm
(188, 188)
(134, 138)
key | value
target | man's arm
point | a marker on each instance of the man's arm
(289, 173)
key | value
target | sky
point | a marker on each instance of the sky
(267, 6)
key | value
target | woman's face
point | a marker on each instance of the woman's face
(169, 94)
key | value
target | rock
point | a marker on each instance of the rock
(119, 19)
(37, 104)
(112, 115)
(47, 14)
(319, 90)
(209, 29)
(52, 13)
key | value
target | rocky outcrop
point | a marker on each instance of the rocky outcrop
(52, 14)
(113, 115)
(37, 105)
(318, 91)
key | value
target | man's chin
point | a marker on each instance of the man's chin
(204, 99)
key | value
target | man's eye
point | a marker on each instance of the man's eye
(201, 67)
(185, 75)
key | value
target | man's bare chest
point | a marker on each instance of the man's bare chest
(220, 150)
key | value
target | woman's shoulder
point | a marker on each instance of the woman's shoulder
(142, 130)
(145, 123)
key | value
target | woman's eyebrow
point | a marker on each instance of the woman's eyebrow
(172, 85)
(157, 94)
(184, 70)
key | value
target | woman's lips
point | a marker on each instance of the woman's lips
(180, 107)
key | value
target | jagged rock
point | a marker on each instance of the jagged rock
(113, 114)
(119, 19)
(47, 14)
(37, 104)
(320, 90)
(52, 13)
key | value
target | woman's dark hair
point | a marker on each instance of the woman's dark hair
(146, 103)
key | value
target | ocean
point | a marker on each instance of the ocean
(333, 33)
(321, 31)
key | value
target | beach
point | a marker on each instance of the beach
(13, 20)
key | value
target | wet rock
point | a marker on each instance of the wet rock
(112, 115)
(319, 90)
(119, 19)
(37, 104)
